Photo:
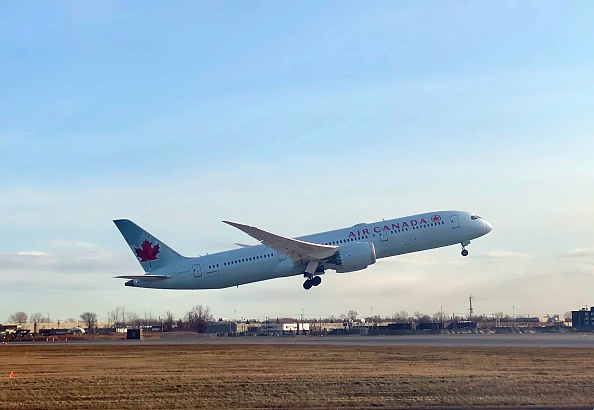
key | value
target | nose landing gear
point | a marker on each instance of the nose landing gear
(464, 251)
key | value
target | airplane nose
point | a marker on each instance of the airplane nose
(488, 227)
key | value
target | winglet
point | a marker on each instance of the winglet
(241, 227)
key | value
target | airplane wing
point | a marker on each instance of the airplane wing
(295, 249)
(144, 277)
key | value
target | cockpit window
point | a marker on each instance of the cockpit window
(475, 217)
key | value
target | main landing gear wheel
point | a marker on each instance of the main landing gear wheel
(311, 281)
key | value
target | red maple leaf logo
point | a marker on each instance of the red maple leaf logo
(436, 218)
(147, 252)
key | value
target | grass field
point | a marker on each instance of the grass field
(286, 376)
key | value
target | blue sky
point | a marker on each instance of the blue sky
(296, 118)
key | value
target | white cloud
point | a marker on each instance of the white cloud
(502, 255)
(577, 253)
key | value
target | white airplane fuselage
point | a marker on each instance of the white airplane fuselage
(259, 262)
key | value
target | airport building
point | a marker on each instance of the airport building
(583, 317)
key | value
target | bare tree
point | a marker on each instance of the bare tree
(352, 315)
(36, 318)
(169, 321)
(90, 319)
(198, 318)
(400, 317)
(149, 320)
(18, 317)
(132, 319)
(439, 317)
(111, 319)
(118, 314)
(421, 317)
(568, 316)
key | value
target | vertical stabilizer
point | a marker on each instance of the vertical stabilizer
(151, 253)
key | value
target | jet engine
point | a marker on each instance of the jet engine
(353, 256)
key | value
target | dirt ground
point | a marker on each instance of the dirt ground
(285, 376)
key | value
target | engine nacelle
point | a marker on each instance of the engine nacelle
(354, 256)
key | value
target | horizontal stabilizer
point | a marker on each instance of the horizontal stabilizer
(144, 277)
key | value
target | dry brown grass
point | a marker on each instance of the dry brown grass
(288, 376)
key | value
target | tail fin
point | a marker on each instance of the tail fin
(152, 254)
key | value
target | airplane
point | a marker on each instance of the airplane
(342, 250)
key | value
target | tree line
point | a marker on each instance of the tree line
(196, 319)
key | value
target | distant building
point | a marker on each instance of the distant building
(583, 318)
(527, 320)
(462, 324)
(400, 326)
(429, 326)
(132, 334)
(222, 328)
(286, 328)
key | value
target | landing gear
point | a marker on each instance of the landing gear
(311, 281)
(464, 251)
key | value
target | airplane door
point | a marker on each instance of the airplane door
(383, 236)
(197, 271)
(455, 221)
(281, 256)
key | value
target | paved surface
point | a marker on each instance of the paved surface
(471, 340)
(535, 340)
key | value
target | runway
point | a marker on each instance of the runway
(536, 340)
(471, 340)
